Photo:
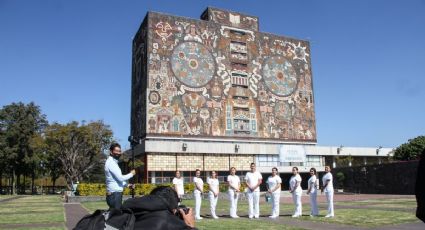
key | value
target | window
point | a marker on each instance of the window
(237, 32)
(239, 79)
(239, 47)
(313, 161)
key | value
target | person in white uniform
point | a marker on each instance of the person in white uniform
(313, 185)
(213, 193)
(274, 183)
(296, 190)
(253, 180)
(199, 189)
(234, 183)
(328, 188)
(178, 183)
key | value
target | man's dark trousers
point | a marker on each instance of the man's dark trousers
(114, 200)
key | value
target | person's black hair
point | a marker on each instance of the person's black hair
(113, 146)
(197, 170)
(275, 168)
(252, 163)
(314, 170)
(295, 168)
(168, 194)
(232, 168)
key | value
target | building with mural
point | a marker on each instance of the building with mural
(215, 93)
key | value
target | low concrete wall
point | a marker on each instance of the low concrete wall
(390, 178)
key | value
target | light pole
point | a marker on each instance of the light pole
(133, 141)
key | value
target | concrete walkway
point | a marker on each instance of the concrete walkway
(73, 213)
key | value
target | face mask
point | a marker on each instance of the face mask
(116, 157)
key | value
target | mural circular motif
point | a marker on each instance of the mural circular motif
(280, 76)
(154, 97)
(192, 64)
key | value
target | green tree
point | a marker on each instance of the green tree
(410, 150)
(78, 147)
(49, 164)
(19, 122)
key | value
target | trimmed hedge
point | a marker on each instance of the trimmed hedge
(140, 189)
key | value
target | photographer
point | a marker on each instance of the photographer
(160, 210)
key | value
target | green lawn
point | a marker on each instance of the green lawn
(390, 203)
(242, 223)
(367, 217)
(32, 210)
(5, 197)
(49, 209)
(371, 217)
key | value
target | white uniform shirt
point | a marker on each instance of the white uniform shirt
(234, 181)
(199, 181)
(330, 186)
(273, 181)
(252, 179)
(213, 183)
(312, 184)
(293, 181)
(178, 182)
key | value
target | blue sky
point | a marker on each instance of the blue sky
(73, 58)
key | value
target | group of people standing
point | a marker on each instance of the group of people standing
(116, 181)
(253, 180)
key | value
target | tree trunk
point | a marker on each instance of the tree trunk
(54, 183)
(32, 182)
(13, 189)
(25, 183)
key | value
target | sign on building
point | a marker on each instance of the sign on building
(291, 153)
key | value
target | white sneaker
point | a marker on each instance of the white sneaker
(256, 217)
(329, 216)
(199, 218)
(272, 216)
(215, 217)
(295, 216)
(250, 217)
(234, 217)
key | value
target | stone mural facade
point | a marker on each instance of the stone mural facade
(219, 77)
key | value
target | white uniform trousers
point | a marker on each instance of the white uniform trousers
(330, 199)
(313, 203)
(213, 203)
(296, 197)
(254, 204)
(233, 196)
(198, 200)
(275, 203)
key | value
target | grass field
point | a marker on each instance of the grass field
(375, 215)
(35, 210)
(32, 210)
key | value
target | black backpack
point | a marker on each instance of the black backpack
(114, 219)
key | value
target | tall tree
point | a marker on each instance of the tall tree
(19, 122)
(410, 150)
(78, 147)
(49, 163)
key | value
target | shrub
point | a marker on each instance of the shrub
(340, 178)
(85, 189)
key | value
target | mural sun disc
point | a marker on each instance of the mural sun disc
(192, 64)
(280, 76)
